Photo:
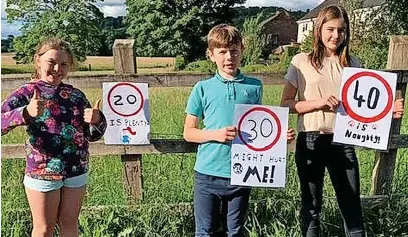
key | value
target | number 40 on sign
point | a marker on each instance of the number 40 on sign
(364, 116)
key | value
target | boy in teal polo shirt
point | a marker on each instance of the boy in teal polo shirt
(213, 101)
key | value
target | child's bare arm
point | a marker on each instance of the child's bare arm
(193, 134)
(302, 107)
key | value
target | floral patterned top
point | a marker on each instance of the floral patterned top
(57, 147)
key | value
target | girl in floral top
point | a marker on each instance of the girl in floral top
(60, 122)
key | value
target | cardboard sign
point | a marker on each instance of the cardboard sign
(258, 154)
(365, 114)
(126, 107)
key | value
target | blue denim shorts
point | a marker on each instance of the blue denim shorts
(52, 185)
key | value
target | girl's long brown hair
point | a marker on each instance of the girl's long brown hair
(317, 55)
(51, 43)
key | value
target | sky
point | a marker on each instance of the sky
(117, 8)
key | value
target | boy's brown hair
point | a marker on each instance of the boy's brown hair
(223, 36)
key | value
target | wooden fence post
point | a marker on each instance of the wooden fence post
(383, 171)
(124, 60)
(124, 57)
(133, 175)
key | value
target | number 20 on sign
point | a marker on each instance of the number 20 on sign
(127, 113)
(364, 116)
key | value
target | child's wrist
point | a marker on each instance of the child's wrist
(214, 135)
(315, 105)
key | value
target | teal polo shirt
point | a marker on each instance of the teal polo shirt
(213, 100)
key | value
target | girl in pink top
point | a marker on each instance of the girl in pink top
(316, 79)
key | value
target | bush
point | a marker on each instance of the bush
(273, 58)
(204, 66)
(287, 57)
(306, 46)
(280, 63)
(180, 62)
(371, 55)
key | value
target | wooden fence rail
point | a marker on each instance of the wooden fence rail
(131, 156)
(156, 146)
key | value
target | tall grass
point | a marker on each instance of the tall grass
(168, 181)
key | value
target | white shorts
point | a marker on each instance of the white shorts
(51, 185)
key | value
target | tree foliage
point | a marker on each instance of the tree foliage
(75, 21)
(7, 44)
(112, 28)
(254, 40)
(307, 46)
(175, 27)
(371, 29)
(245, 13)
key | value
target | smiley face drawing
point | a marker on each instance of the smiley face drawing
(237, 168)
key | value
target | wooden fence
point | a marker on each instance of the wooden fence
(131, 156)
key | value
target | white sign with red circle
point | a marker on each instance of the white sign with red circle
(258, 153)
(126, 108)
(365, 114)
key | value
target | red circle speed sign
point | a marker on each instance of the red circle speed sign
(131, 107)
(354, 114)
(269, 112)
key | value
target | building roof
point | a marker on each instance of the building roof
(315, 11)
(277, 13)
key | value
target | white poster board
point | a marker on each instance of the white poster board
(258, 154)
(365, 114)
(126, 108)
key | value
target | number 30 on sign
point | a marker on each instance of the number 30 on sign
(258, 154)
(364, 116)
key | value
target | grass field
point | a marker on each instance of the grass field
(168, 181)
(97, 63)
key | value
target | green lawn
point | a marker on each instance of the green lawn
(168, 181)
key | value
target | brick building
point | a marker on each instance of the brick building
(280, 29)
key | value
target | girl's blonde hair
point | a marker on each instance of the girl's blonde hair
(51, 43)
(317, 55)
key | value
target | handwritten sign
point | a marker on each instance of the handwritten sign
(126, 108)
(258, 154)
(364, 116)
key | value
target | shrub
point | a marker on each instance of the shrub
(204, 66)
(306, 46)
(180, 62)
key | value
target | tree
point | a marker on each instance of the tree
(254, 40)
(397, 12)
(75, 21)
(250, 12)
(245, 13)
(7, 44)
(112, 28)
(175, 27)
(371, 29)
